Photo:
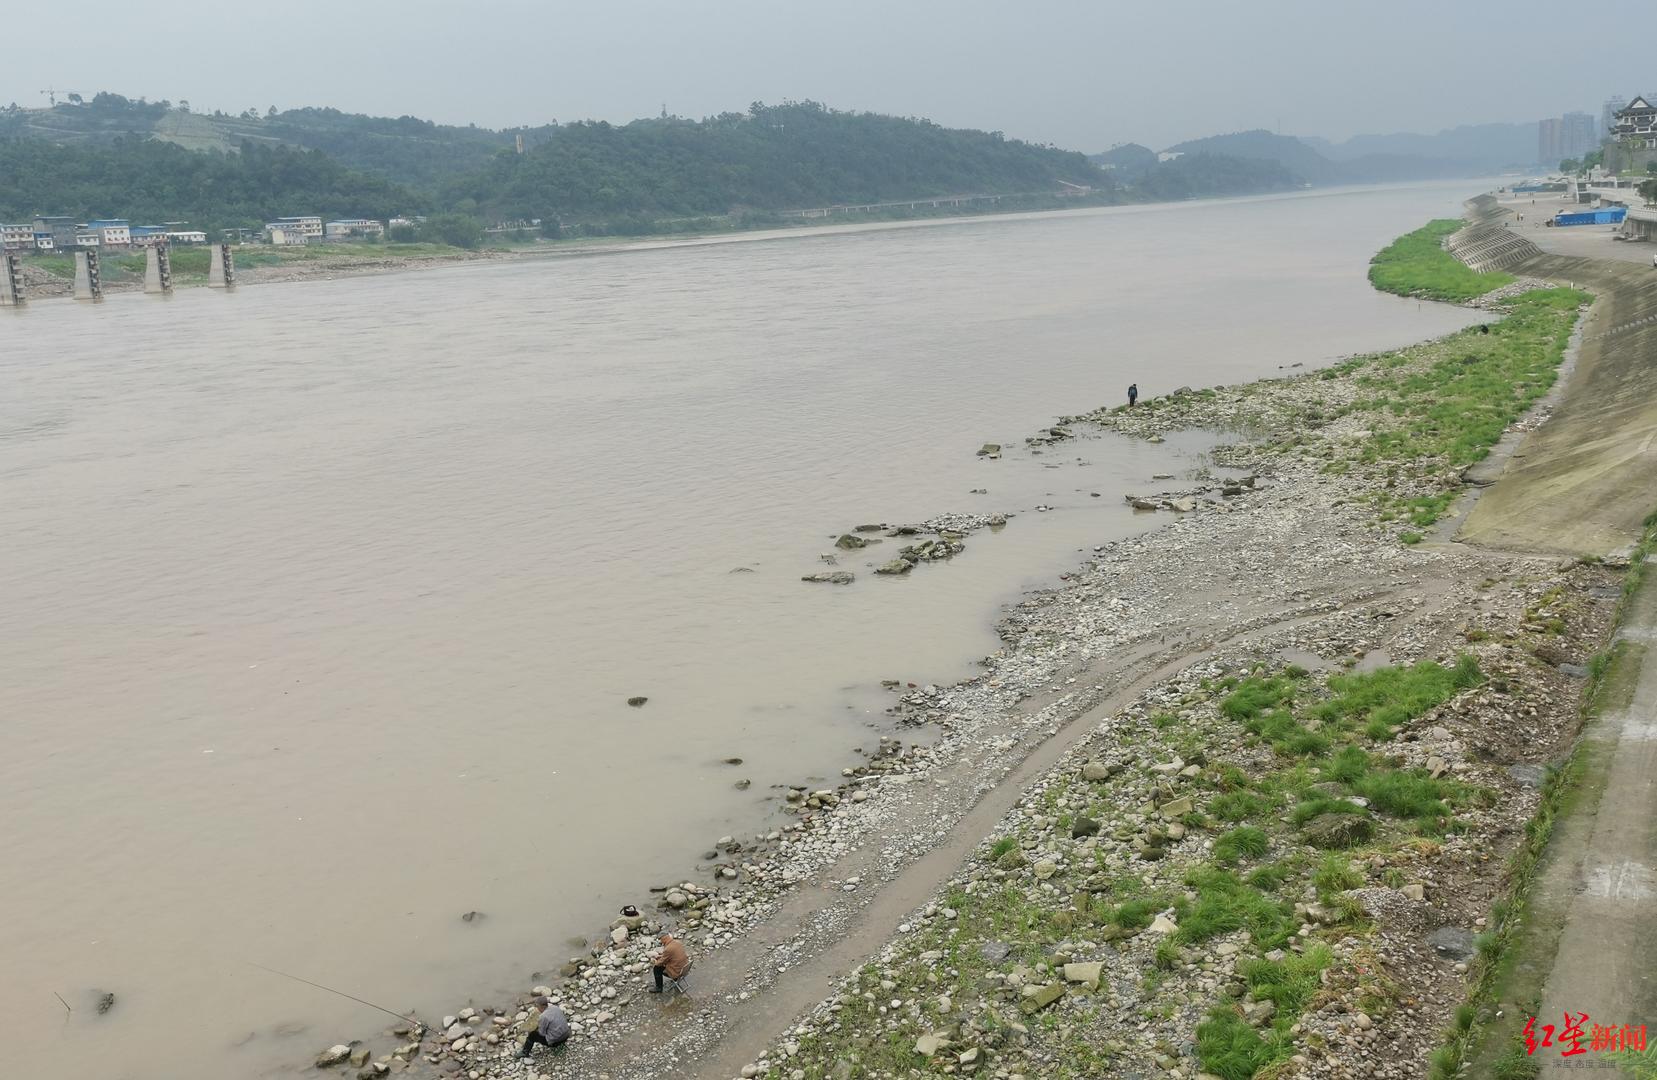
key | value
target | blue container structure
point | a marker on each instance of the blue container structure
(1611, 215)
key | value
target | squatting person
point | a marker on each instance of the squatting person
(550, 1031)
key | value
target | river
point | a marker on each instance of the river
(321, 602)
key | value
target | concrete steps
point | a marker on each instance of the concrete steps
(1489, 247)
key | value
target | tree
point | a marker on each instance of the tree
(457, 230)
(1570, 166)
(76, 99)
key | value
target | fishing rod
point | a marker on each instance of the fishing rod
(340, 993)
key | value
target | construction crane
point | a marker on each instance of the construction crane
(52, 93)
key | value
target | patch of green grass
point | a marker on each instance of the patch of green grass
(1516, 1064)
(1229, 1047)
(1286, 734)
(1254, 696)
(1288, 983)
(1137, 914)
(1239, 806)
(1225, 903)
(1001, 847)
(1270, 878)
(1232, 1050)
(1246, 841)
(1336, 874)
(1404, 794)
(1416, 264)
(1410, 537)
(1393, 696)
(1349, 766)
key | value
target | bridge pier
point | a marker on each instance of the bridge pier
(11, 280)
(221, 267)
(89, 283)
(158, 270)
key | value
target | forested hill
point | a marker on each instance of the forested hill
(111, 156)
(769, 158)
(404, 149)
(151, 181)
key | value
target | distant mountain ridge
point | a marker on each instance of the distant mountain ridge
(1369, 159)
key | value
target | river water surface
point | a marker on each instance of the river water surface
(321, 603)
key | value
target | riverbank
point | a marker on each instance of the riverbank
(1225, 934)
(52, 277)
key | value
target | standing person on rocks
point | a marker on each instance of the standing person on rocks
(551, 1030)
(1133, 394)
(672, 960)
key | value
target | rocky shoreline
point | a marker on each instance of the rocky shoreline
(1122, 905)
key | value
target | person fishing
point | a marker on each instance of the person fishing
(551, 1027)
(672, 961)
(1133, 394)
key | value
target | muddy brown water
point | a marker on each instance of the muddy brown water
(322, 602)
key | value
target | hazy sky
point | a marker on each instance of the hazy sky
(1082, 75)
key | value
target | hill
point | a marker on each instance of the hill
(1128, 159)
(1302, 159)
(1474, 147)
(786, 156)
(404, 149)
(148, 180)
(1299, 159)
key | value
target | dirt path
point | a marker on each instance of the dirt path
(1606, 960)
(736, 1029)
(753, 1031)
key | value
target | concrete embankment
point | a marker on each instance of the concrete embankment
(1585, 481)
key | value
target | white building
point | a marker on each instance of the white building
(187, 236)
(309, 227)
(286, 235)
(352, 228)
(111, 232)
(17, 237)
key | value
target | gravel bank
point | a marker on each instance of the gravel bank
(1121, 908)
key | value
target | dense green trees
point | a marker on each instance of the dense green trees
(771, 157)
(150, 181)
(658, 175)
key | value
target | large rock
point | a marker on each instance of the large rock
(990, 449)
(836, 577)
(1453, 942)
(1095, 771)
(1084, 826)
(1162, 924)
(1042, 998)
(929, 1044)
(332, 1056)
(1087, 974)
(896, 566)
(1044, 869)
(1337, 830)
(850, 542)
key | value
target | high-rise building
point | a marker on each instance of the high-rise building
(1608, 115)
(1549, 141)
(1577, 136)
